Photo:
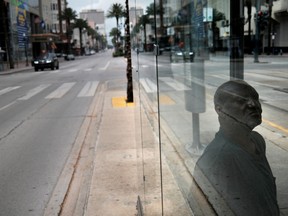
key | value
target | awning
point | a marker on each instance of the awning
(283, 12)
(44, 38)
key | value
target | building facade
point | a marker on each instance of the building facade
(27, 29)
(55, 14)
(20, 19)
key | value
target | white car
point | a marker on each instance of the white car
(69, 57)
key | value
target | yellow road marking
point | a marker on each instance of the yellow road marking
(120, 102)
(272, 124)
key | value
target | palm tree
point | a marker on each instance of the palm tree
(128, 55)
(60, 18)
(68, 15)
(93, 34)
(114, 33)
(144, 19)
(81, 24)
(117, 11)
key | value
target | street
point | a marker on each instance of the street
(41, 114)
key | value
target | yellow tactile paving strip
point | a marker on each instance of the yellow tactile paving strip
(165, 100)
(120, 102)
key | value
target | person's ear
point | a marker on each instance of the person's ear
(218, 109)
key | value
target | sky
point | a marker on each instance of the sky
(79, 5)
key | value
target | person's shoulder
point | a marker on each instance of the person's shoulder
(217, 152)
(259, 140)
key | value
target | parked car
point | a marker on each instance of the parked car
(178, 54)
(46, 60)
(69, 57)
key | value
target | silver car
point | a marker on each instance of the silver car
(178, 54)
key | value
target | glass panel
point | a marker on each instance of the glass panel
(202, 45)
(220, 145)
(145, 74)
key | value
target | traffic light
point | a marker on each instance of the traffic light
(263, 19)
(259, 16)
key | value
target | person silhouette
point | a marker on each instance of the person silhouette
(235, 162)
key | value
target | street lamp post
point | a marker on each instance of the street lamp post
(25, 47)
(273, 40)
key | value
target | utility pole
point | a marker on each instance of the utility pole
(236, 39)
(270, 4)
(257, 35)
(248, 4)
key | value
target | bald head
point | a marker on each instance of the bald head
(240, 101)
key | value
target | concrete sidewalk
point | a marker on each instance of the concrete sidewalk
(19, 67)
(108, 178)
(117, 178)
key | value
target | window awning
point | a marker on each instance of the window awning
(44, 38)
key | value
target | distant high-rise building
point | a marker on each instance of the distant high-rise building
(96, 17)
(134, 14)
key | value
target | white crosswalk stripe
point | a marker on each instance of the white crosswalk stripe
(8, 89)
(148, 85)
(72, 70)
(151, 87)
(178, 86)
(34, 91)
(55, 71)
(89, 89)
(61, 91)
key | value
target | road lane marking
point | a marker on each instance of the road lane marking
(272, 124)
(55, 71)
(8, 89)
(8, 105)
(61, 91)
(72, 70)
(34, 91)
(106, 66)
(89, 89)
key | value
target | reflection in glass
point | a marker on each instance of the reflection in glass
(235, 162)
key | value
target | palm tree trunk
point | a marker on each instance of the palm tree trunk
(128, 55)
(68, 35)
(60, 18)
(80, 32)
(117, 26)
